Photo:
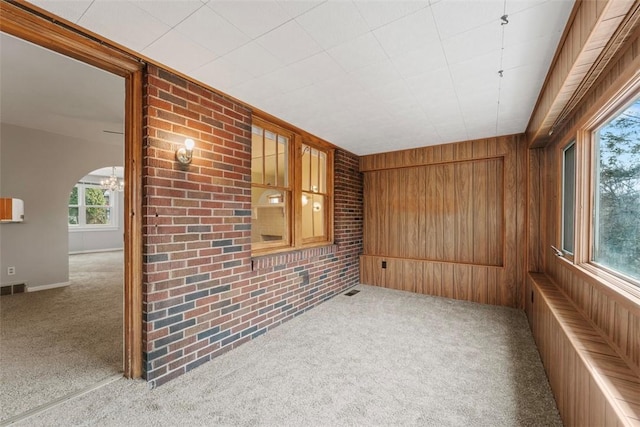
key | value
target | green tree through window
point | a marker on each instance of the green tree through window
(617, 213)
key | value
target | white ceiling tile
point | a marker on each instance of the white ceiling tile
(171, 12)
(540, 20)
(289, 43)
(457, 17)
(123, 23)
(317, 68)
(412, 32)
(221, 74)
(477, 70)
(376, 74)
(476, 42)
(254, 91)
(534, 51)
(212, 31)
(379, 13)
(70, 10)
(254, 59)
(435, 84)
(333, 22)
(420, 61)
(253, 18)
(296, 8)
(178, 52)
(286, 80)
(357, 53)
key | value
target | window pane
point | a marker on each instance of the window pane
(616, 242)
(323, 172)
(315, 185)
(256, 155)
(269, 221)
(306, 168)
(313, 215)
(73, 197)
(270, 155)
(98, 216)
(568, 198)
(283, 159)
(73, 216)
(94, 196)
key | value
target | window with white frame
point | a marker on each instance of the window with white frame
(91, 206)
(615, 234)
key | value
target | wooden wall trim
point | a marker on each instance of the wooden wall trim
(437, 154)
(20, 20)
(589, 34)
(25, 21)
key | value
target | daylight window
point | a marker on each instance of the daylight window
(90, 206)
(616, 217)
(568, 197)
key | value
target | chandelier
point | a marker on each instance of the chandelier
(112, 183)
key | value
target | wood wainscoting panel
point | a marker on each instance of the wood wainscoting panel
(448, 220)
(438, 212)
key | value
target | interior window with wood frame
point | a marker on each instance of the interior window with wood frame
(291, 190)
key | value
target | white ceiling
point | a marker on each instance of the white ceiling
(368, 76)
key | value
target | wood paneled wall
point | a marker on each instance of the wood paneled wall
(464, 201)
(616, 316)
(592, 386)
(613, 315)
(448, 220)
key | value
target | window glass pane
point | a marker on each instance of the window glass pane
(306, 168)
(315, 185)
(256, 156)
(323, 172)
(270, 155)
(73, 216)
(568, 198)
(73, 197)
(313, 214)
(616, 234)
(98, 216)
(269, 221)
(283, 159)
(94, 196)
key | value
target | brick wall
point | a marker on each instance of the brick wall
(203, 292)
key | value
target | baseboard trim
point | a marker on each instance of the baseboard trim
(49, 286)
(95, 251)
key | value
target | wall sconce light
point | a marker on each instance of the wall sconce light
(185, 154)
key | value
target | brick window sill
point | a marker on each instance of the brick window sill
(260, 262)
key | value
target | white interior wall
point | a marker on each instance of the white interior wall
(41, 168)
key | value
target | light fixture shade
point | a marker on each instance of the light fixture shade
(185, 154)
(112, 183)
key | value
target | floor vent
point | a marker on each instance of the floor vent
(351, 293)
(12, 289)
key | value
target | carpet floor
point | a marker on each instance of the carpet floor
(58, 341)
(381, 357)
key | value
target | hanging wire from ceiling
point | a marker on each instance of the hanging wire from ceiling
(504, 21)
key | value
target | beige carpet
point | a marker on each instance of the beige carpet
(58, 341)
(381, 357)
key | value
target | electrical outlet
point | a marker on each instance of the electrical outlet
(11, 271)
